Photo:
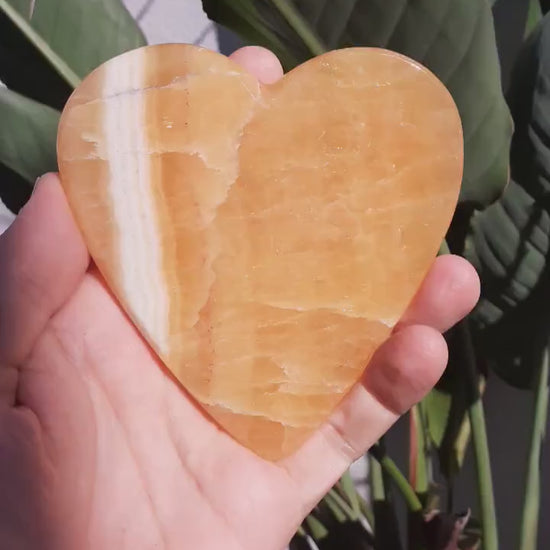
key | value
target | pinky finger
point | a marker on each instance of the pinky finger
(402, 371)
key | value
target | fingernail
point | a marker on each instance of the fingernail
(37, 181)
(35, 184)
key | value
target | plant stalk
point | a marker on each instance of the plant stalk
(367, 512)
(476, 415)
(418, 453)
(316, 528)
(400, 481)
(386, 528)
(418, 474)
(376, 479)
(299, 26)
(531, 503)
(334, 499)
(348, 487)
(337, 512)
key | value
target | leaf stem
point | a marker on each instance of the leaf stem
(316, 528)
(418, 459)
(367, 512)
(300, 27)
(376, 480)
(337, 500)
(476, 415)
(418, 474)
(400, 481)
(40, 44)
(348, 487)
(531, 503)
(361, 508)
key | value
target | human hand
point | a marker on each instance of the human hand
(100, 449)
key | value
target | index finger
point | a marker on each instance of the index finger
(42, 259)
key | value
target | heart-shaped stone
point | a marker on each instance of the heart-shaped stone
(264, 239)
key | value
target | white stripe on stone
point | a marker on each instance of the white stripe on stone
(133, 204)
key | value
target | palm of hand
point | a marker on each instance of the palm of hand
(100, 448)
(135, 464)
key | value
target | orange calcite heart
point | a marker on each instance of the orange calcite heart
(264, 239)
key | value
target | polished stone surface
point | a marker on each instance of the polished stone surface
(265, 240)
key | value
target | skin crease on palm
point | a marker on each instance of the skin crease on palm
(101, 449)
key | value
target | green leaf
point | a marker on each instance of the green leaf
(448, 427)
(27, 135)
(71, 37)
(456, 40)
(534, 15)
(510, 241)
(14, 190)
(38, 81)
(436, 408)
(511, 18)
(46, 47)
(241, 16)
(25, 25)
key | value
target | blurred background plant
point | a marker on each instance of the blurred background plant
(494, 57)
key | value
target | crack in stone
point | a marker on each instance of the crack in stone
(233, 410)
(337, 310)
(232, 176)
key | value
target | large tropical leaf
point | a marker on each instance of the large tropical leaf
(72, 37)
(46, 47)
(511, 240)
(15, 190)
(455, 39)
(514, 20)
(25, 69)
(28, 151)
(27, 135)
(27, 145)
